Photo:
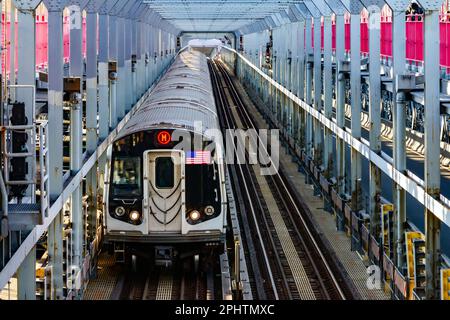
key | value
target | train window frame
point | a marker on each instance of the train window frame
(133, 188)
(157, 175)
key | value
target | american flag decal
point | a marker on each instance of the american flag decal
(198, 157)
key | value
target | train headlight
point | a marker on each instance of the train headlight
(209, 210)
(120, 211)
(135, 215)
(194, 215)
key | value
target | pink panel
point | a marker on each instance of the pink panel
(333, 29)
(41, 42)
(364, 37)
(84, 37)
(386, 38)
(321, 36)
(347, 35)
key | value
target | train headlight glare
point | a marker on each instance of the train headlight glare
(209, 210)
(194, 215)
(135, 215)
(120, 211)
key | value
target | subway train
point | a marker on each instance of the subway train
(165, 187)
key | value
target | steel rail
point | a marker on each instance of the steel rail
(247, 192)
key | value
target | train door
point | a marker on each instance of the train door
(164, 192)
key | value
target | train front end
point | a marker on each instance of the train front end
(164, 195)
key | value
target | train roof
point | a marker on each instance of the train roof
(182, 97)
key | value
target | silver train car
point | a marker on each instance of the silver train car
(166, 181)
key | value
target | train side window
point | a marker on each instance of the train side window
(164, 173)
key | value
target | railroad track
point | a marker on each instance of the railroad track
(181, 282)
(292, 262)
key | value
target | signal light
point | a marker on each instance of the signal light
(164, 138)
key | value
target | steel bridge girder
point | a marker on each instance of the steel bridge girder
(26, 4)
(353, 6)
(337, 7)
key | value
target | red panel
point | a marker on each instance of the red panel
(364, 37)
(347, 35)
(321, 36)
(333, 31)
(41, 42)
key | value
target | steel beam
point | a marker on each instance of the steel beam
(121, 80)
(327, 85)
(317, 136)
(26, 277)
(127, 65)
(339, 11)
(399, 122)
(432, 144)
(26, 35)
(103, 74)
(12, 50)
(374, 8)
(76, 129)
(55, 126)
(113, 82)
(355, 8)
(91, 113)
(119, 54)
(308, 77)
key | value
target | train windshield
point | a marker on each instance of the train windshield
(126, 177)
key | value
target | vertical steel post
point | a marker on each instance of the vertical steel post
(134, 62)
(374, 9)
(127, 55)
(55, 126)
(121, 81)
(26, 34)
(355, 84)
(308, 88)
(91, 118)
(91, 79)
(301, 59)
(301, 81)
(26, 277)
(12, 50)
(103, 76)
(432, 144)
(113, 53)
(317, 90)
(76, 131)
(399, 122)
(147, 52)
(327, 85)
(140, 57)
(340, 100)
